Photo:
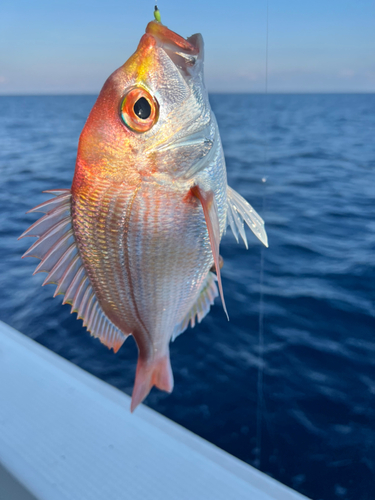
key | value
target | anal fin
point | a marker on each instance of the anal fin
(208, 203)
(201, 306)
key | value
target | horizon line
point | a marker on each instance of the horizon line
(217, 92)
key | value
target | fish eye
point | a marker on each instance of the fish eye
(142, 108)
(139, 110)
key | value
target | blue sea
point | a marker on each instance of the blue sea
(307, 165)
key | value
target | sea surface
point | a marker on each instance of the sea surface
(307, 165)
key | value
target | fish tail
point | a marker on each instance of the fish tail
(157, 373)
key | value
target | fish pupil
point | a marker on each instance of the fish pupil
(142, 108)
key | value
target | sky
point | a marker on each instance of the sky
(72, 46)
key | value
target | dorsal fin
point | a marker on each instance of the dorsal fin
(240, 211)
(201, 306)
(208, 203)
(59, 254)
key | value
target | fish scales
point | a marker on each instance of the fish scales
(109, 207)
(165, 256)
(132, 243)
(140, 272)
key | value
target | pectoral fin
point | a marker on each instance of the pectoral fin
(208, 203)
(240, 211)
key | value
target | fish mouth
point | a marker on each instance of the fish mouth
(185, 53)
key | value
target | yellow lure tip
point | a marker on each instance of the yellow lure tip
(157, 14)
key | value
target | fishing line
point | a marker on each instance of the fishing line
(260, 395)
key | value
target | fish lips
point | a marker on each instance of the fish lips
(187, 54)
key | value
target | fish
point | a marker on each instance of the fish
(133, 245)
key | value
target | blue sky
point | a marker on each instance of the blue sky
(71, 46)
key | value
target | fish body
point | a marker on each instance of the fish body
(131, 244)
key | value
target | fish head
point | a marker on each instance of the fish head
(152, 116)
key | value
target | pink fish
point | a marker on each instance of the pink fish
(132, 243)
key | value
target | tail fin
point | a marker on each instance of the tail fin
(158, 373)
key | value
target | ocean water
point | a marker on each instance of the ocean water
(306, 163)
